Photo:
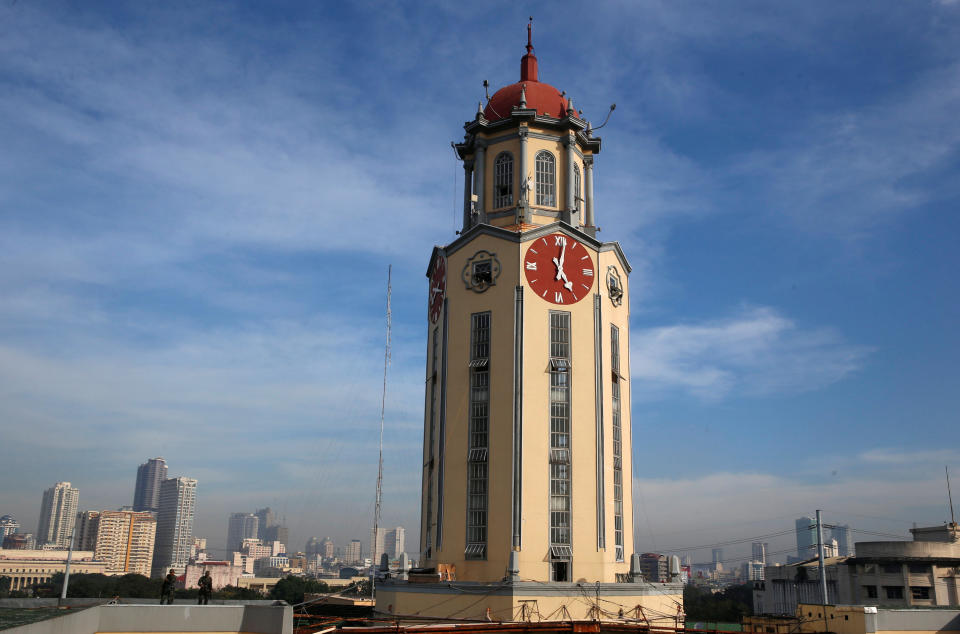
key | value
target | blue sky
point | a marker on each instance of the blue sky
(198, 205)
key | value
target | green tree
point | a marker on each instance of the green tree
(728, 605)
(5, 587)
(292, 589)
(233, 593)
(101, 586)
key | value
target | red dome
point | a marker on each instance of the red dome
(544, 97)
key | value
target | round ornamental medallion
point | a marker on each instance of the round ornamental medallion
(559, 269)
(438, 289)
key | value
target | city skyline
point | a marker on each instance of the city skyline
(781, 184)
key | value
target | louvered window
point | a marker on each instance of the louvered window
(617, 444)
(577, 194)
(479, 432)
(560, 519)
(503, 180)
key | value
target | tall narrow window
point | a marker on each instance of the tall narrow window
(560, 538)
(478, 432)
(546, 179)
(435, 347)
(503, 180)
(617, 444)
(577, 194)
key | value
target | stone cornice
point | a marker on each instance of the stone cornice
(526, 236)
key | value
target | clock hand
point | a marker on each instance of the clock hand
(559, 263)
(567, 284)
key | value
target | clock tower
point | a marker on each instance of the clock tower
(527, 462)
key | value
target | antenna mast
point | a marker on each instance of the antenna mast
(383, 407)
(953, 520)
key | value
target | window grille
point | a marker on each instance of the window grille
(617, 444)
(480, 336)
(560, 519)
(478, 435)
(561, 552)
(503, 180)
(560, 456)
(560, 336)
(546, 171)
(482, 274)
(475, 550)
(478, 455)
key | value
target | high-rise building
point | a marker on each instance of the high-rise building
(177, 504)
(354, 552)
(58, 514)
(527, 429)
(19, 541)
(86, 530)
(313, 547)
(241, 526)
(717, 554)
(8, 526)
(266, 521)
(751, 571)
(378, 544)
(759, 551)
(329, 550)
(655, 567)
(146, 493)
(395, 542)
(841, 533)
(276, 533)
(806, 537)
(124, 540)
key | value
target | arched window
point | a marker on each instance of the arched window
(577, 195)
(503, 180)
(546, 179)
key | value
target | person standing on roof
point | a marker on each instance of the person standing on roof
(205, 583)
(166, 590)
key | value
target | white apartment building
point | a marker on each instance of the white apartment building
(174, 541)
(58, 513)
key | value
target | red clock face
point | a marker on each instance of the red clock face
(559, 269)
(438, 288)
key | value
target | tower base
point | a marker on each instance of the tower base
(517, 601)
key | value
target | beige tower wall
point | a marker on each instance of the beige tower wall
(590, 563)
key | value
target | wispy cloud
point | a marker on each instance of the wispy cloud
(756, 352)
(850, 172)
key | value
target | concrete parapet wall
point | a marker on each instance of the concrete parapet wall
(522, 601)
(918, 620)
(153, 619)
(907, 549)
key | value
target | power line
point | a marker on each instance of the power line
(731, 542)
